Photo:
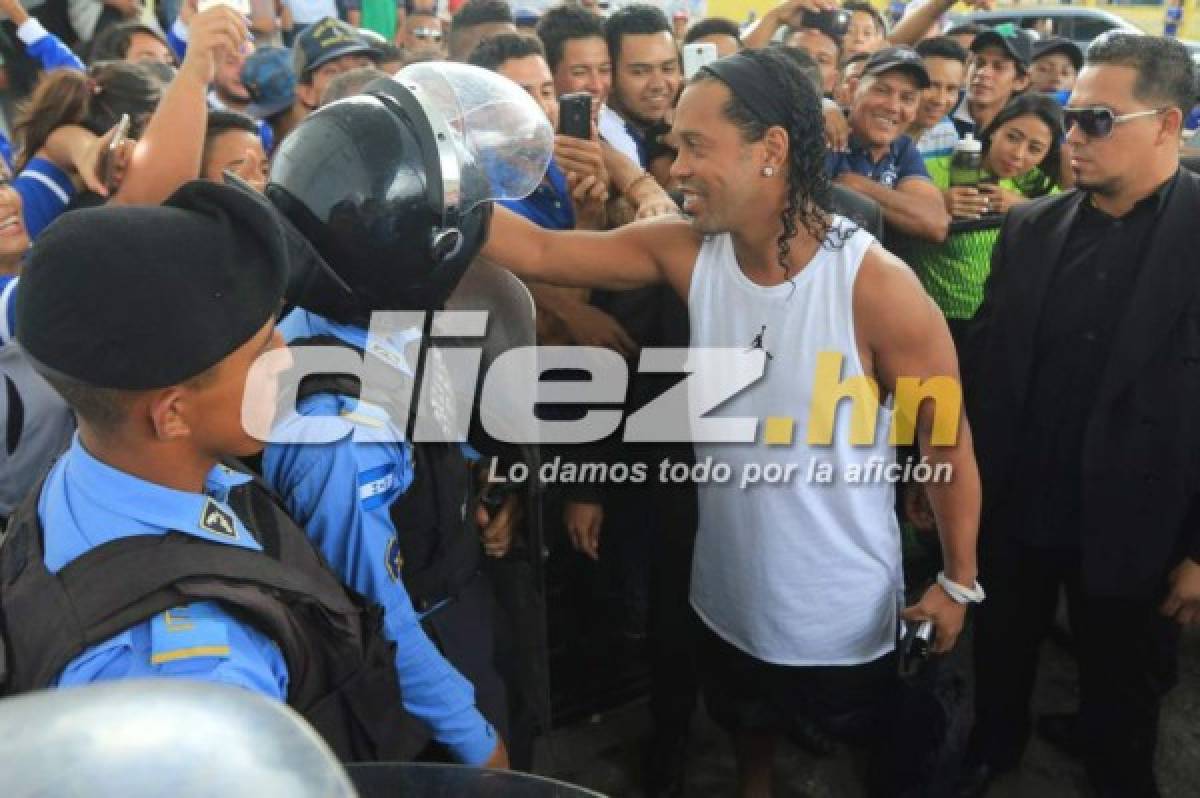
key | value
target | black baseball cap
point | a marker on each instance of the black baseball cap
(1057, 44)
(1016, 42)
(906, 59)
(325, 40)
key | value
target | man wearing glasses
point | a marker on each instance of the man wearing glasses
(423, 34)
(1083, 382)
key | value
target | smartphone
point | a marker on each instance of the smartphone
(575, 115)
(696, 56)
(240, 6)
(110, 157)
(832, 21)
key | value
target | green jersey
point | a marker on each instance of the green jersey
(954, 272)
(380, 16)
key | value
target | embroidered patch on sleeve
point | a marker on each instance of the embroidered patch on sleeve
(393, 559)
(176, 635)
(376, 486)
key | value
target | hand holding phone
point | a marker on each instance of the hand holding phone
(575, 115)
(835, 22)
(696, 56)
(240, 6)
(112, 156)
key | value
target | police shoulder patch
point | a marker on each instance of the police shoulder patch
(188, 635)
(217, 521)
(393, 559)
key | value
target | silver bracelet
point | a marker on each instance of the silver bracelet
(962, 595)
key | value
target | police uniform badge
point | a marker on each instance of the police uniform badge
(393, 559)
(216, 521)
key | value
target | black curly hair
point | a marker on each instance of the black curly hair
(810, 201)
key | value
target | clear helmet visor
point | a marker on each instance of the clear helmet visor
(501, 137)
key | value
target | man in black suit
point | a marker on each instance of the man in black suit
(1083, 388)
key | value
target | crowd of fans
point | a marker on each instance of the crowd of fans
(105, 103)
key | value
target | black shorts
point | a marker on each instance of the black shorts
(743, 693)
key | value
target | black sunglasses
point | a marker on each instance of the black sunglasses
(1098, 123)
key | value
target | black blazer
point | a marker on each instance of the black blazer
(1141, 451)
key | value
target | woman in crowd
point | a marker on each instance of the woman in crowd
(1020, 162)
(14, 241)
(61, 133)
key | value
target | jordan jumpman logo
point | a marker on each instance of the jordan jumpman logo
(757, 343)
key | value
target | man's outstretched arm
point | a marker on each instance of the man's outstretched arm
(627, 257)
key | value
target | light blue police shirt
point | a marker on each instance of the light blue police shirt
(86, 503)
(340, 493)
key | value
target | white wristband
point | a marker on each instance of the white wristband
(963, 595)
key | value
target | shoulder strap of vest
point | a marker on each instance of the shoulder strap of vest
(257, 504)
(337, 384)
(16, 547)
(43, 622)
(127, 580)
(392, 383)
(101, 582)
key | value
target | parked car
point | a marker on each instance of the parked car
(1080, 25)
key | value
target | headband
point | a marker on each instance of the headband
(753, 84)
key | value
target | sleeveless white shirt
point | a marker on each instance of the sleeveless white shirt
(795, 573)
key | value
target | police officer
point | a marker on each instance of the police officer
(400, 523)
(141, 555)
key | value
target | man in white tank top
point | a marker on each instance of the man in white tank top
(796, 583)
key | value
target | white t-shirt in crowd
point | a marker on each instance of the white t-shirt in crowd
(612, 129)
(306, 12)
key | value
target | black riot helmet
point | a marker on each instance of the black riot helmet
(394, 186)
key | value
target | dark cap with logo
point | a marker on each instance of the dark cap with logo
(1058, 44)
(904, 59)
(269, 80)
(1016, 42)
(325, 40)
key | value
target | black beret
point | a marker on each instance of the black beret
(138, 298)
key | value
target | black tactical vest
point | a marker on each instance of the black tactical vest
(341, 672)
(436, 534)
